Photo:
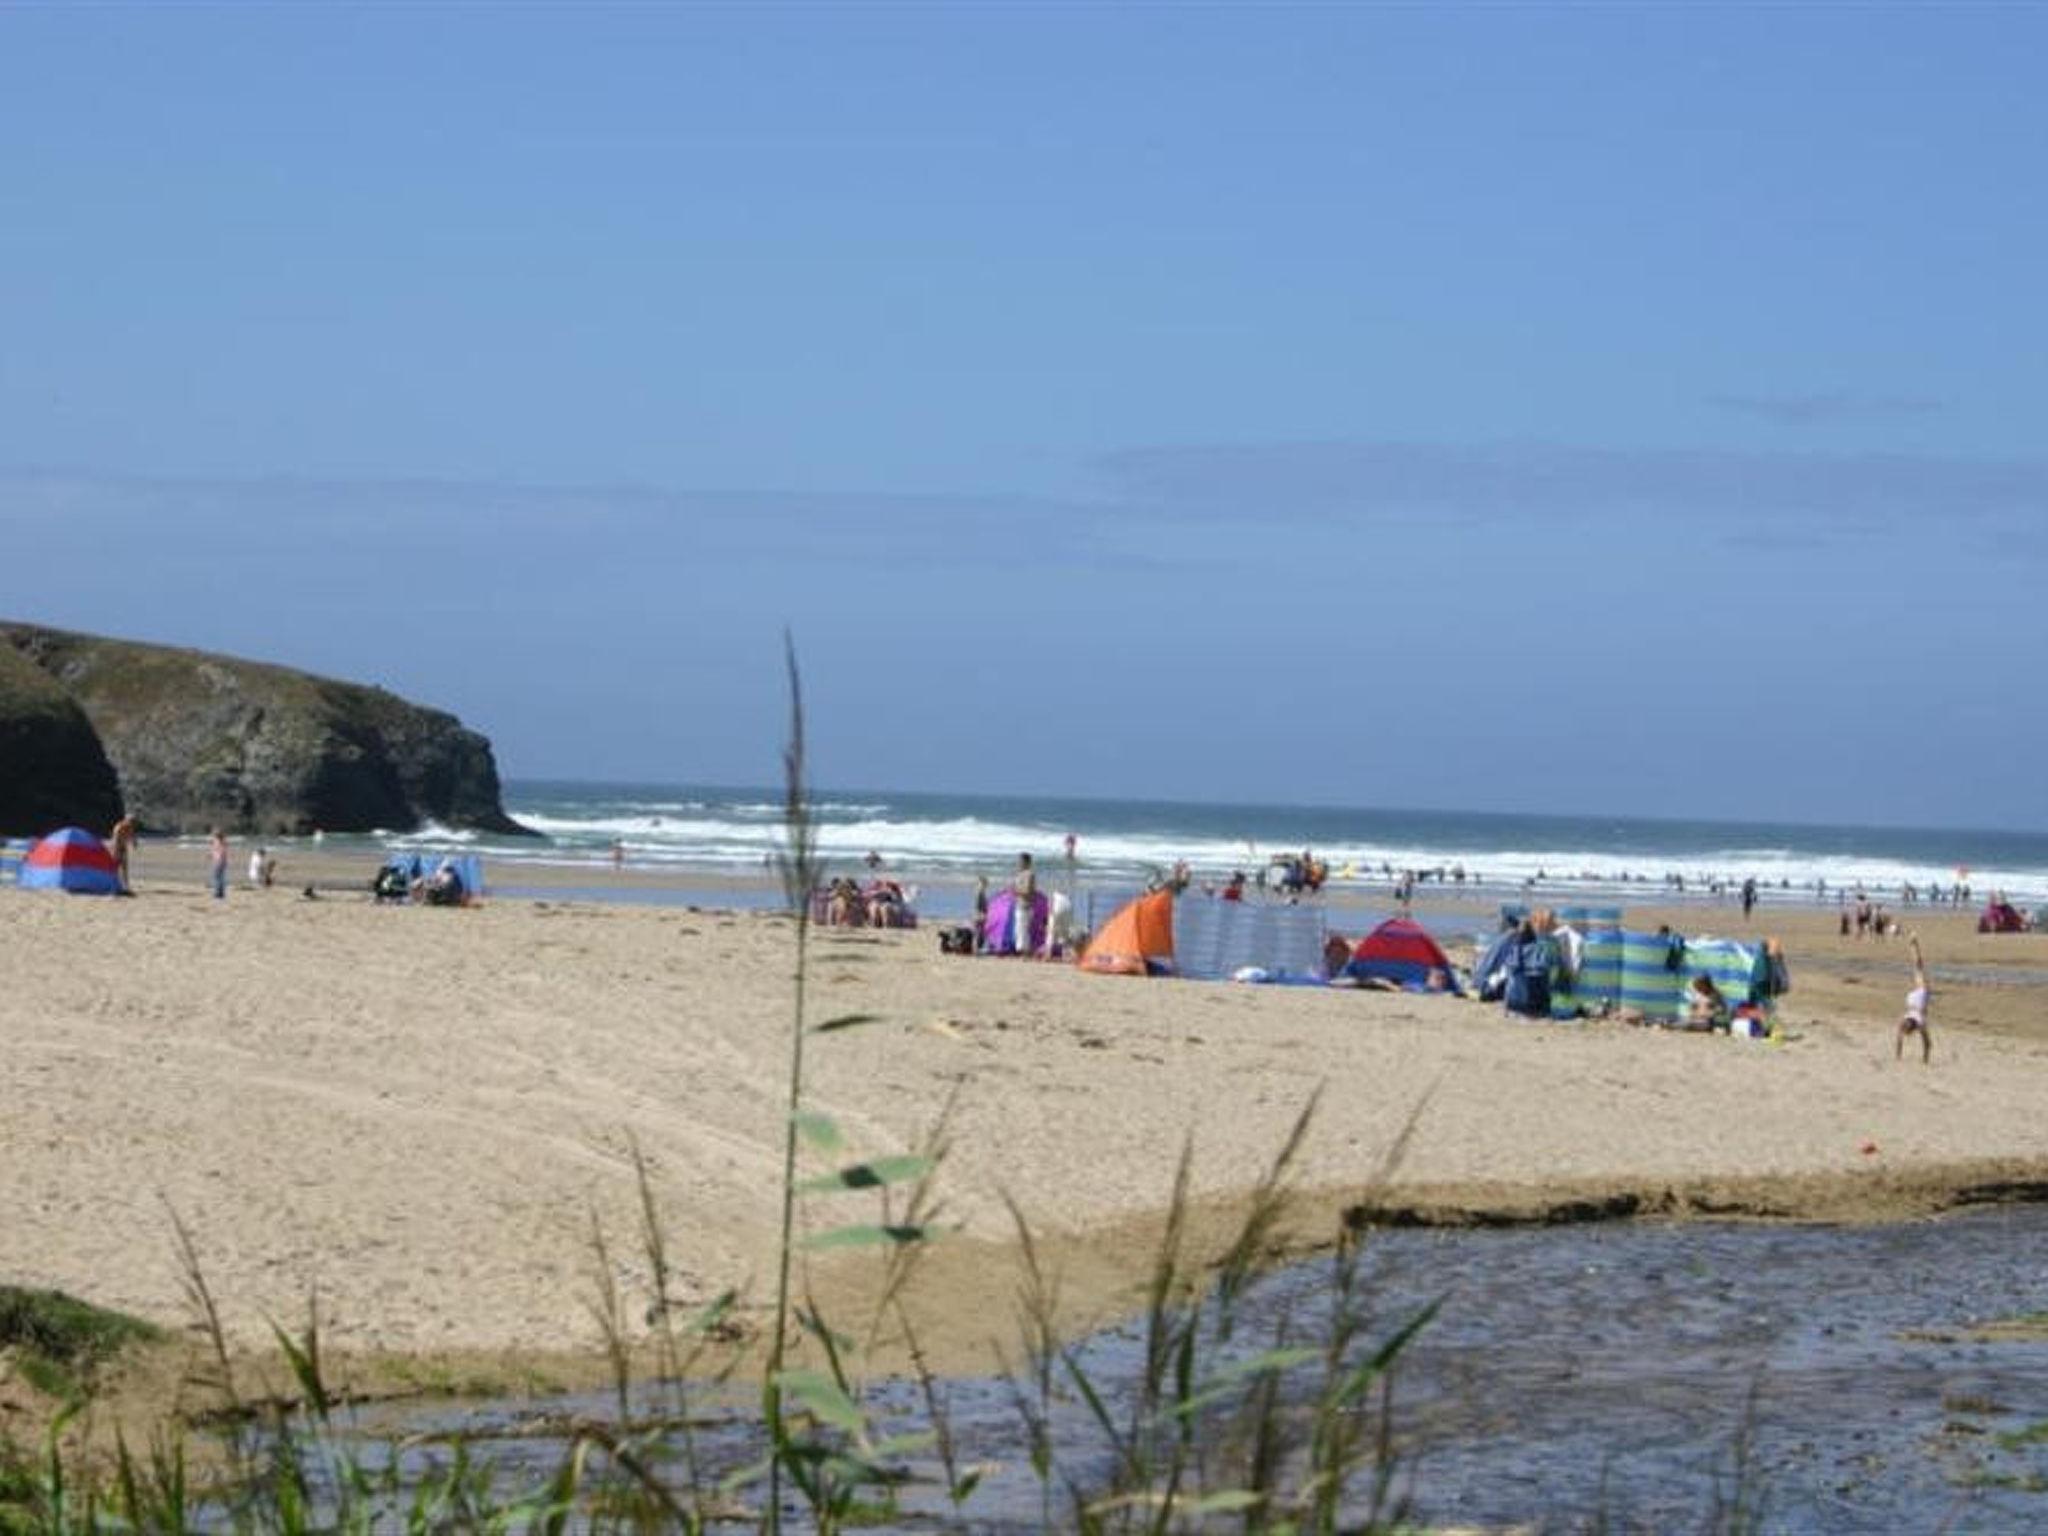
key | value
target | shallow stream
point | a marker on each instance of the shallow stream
(1622, 1376)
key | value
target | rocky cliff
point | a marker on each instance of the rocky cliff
(53, 770)
(200, 740)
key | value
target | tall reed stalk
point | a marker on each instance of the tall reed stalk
(798, 864)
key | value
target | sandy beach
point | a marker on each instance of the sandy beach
(421, 1113)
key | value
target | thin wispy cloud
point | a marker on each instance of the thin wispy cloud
(1377, 481)
(484, 525)
(1818, 409)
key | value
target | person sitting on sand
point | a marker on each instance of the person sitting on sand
(1336, 954)
(1915, 1020)
(885, 904)
(444, 887)
(1706, 1007)
(845, 908)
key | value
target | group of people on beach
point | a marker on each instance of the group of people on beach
(882, 903)
(403, 881)
(1867, 919)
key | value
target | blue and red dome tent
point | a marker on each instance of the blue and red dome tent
(1400, 950)
(71, 859)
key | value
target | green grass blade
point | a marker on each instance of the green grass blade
(1225, 1381)
(713, 1312)
(873, 1174)
(1355, 1385)
(866, 1236)
(304, 1361)
(1228, 1501)
(821, 1131)
(824, 1399)
(845, 1021)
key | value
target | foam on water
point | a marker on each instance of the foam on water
(740, 831)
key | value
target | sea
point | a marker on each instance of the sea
(727, 831)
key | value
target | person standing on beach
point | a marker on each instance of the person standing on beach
(122, 842)
(217, 863)
(1915, 1021)
(1024, 886)
(1748, 897)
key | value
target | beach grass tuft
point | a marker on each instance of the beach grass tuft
(58, 1342)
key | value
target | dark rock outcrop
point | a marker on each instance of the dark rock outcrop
(53, 770)
(200, 740)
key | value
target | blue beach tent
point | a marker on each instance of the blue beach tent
(71, 859)
(1402, 951)
(419, 863)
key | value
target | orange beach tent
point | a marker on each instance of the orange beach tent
(1131, 942)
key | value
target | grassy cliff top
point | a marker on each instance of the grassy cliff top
(124, 675)
(26, 689)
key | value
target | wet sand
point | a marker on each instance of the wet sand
(422, 1113)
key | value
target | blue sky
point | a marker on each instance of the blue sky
(1578, 409)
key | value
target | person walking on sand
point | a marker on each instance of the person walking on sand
(217, 863)
(1915, 1021)
(1024, 886)
(122, 841)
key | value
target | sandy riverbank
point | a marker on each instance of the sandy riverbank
(420, 1112)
